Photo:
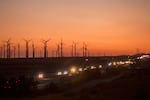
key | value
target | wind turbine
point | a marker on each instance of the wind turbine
(61, 48)
(1, 51)
(84, 49)
(53, 53)
(40, 53)
(45, 47)
(58, 50)
(88, 53)
(8, 48)
(75, 48)
(14, 51)
(72, 47)
(4, 50)
(33, 50)
(27, 47)
(18, 50)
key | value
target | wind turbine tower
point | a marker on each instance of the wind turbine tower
(4, 50)
(33, 50)
(18, 50)
(61, 48)
(72, 47)
(40, 53)
(8, 48)
(14, 52)
(84, 50)
(58, 50)
(75, 49)
(27, 48)
(45, 47)
(1, 50)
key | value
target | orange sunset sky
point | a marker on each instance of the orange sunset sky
(112, 27)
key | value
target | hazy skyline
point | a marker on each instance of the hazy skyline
(107, 26)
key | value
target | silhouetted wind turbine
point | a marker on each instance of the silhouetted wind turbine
(8, 48)
(33, 50)
(75, 48)
(88, 53)
(1, 52)
(14, 52)
(4, 50)
(84, 49)
(61, 48)
(53, 53)
(45, 47)
(27, 47)
(18, 50)
(58, 50)
(72, 47)
(40, 53)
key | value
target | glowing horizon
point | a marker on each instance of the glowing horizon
(113, 27)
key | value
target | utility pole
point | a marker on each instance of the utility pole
(27, 48)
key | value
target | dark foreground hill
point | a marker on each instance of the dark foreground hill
(133, 85)
(31, 66)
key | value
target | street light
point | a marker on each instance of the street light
(73, 70)
(65, 72)
(59, 73)
(40, 76)
(80, 69)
